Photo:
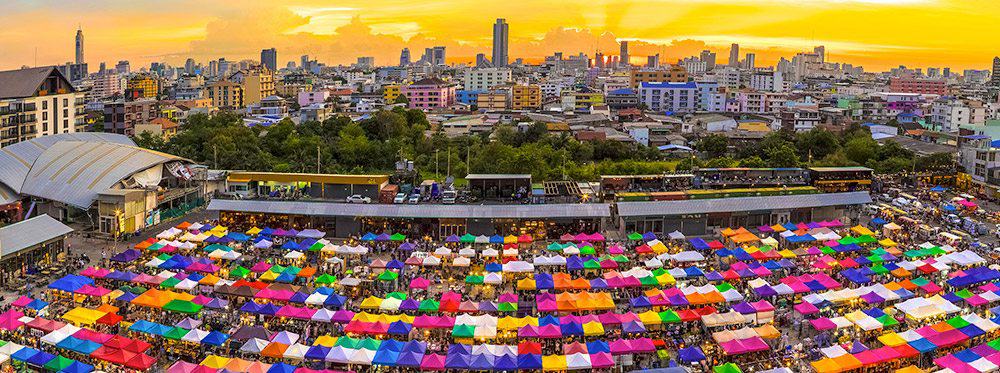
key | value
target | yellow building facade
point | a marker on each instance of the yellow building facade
(524, 97)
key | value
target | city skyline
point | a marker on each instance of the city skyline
(770, 29)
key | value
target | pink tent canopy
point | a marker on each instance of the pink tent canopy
(23, 301)
(260, 267)
(9, 320)
(432, 362)
(419, 283)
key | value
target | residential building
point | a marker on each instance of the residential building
(467, 97)
(272, 106)
(257, 83)
(799, 120)
(143, 86)
(492, 100)
(122, 116)
(486, 79)
(107, 85)
(581, 99)
(37, 102)
(622, 98)
(767, 81)
(670, 97)
(430, 93)
(995, 78)
(318, 112)
(226, 94)
(390, 92)
(526, 97)
(918, 85)
(675, 74)
(312, 97)
(948, 114)
(501, 31)
(161, 127)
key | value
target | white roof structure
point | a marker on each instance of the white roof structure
(74, 168)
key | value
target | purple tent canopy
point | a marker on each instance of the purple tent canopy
(126, 256)
(873, 298)
(311, 233)
(407, 246)
(279, 232)
(383, 237)
(452, 238)
(648, 236)
(744, 308)
(247, 332)
(633, 327)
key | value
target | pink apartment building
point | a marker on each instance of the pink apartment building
(430, 93)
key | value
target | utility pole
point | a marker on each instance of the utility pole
(449, 161)
(468, 161)
(317, 158)
(436, 163)
(215, 156)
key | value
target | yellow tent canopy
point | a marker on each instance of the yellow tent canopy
(215, 361)
(553, 362)
(254, 231)
(83, 316)
(862, 230)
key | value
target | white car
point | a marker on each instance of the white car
(414, 199)
(357, 198)
(400, 198)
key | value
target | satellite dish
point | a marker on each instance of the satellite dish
(449, 180)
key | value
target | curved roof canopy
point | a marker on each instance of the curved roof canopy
(74, 168)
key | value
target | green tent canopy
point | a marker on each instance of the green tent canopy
(473, 279)
(429, 305)
(370, 344)
(397, 237)
(388, 276)
(467, 238)
(325, 279)
(635, 236)
(176, 333)
(58, 363)
(727, 368)
(463, 331)
(397, 295)
(239, 272)
(182, 306)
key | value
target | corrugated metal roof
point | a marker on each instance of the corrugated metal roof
(75, 172)
(7, 195)
(706, 206)
(16, 160)
(588, 210)
(28, 233)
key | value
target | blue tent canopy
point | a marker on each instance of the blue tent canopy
(879, 221)
(691, 354)
(939, 189)
(699, 244)
(70, 283)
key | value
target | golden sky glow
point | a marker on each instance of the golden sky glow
(875, 33)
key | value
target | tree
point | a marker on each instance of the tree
(936, 162)
(753, 162)
(818, 143)
(782, 157)
(721, 162)
(860, 149)
(401, 99)
(713, 146)
(150, 141)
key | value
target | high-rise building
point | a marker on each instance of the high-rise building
(304, 62)
(189, 66)
(624, 60)
(438, 56)
(366, 62)
(599, 60)
(500, 46)
(79, 45)
(995, 79)
(734, 55)
(404, 57)
(653, 61)
(708, 57)
(821, 52)
(751, 61)
(122, 67)
(481, 61)
(269, 58)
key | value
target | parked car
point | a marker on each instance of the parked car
(448, 197)
(414, 199)
(357, 198)
(400, 198)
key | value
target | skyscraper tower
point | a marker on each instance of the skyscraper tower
(269, 58)
(404, 57)
(995, 78)
(734, 55)
(500, 33)
(624, 54)
(79, 45)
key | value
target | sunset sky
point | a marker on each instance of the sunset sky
(877, 34)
